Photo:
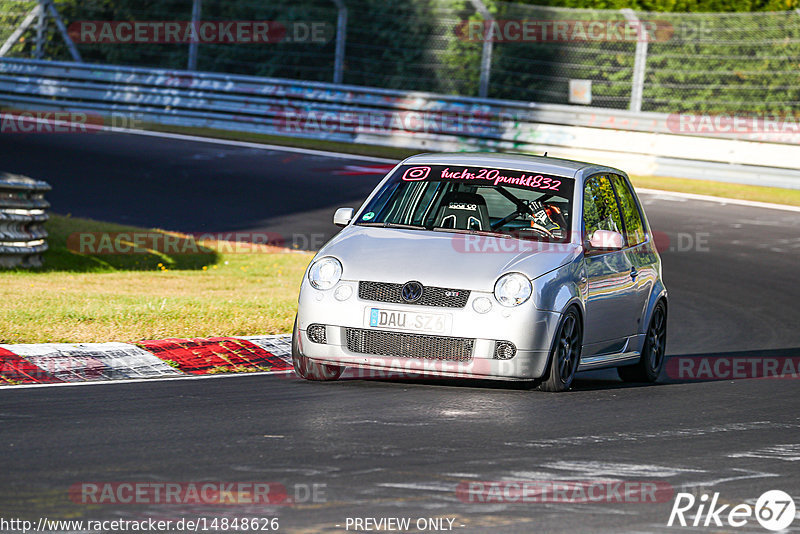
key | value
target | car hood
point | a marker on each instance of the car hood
(460, 261)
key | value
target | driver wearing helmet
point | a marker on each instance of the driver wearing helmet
(548, 219)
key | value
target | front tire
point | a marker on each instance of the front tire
(308, 369)
(653, 353)
(565, 355)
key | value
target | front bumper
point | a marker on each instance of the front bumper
(529, 329)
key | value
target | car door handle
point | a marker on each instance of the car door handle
(634, 273)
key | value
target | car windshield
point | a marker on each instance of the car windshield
(466, 199)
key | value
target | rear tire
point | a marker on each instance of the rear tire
(653, 353)
(308, 369)
(565, 355)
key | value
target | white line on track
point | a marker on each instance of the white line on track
(229, 142)
(341, 155)
(719, 200)
(248, 144)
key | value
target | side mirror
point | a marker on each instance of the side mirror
(606, 240)
(343, 216)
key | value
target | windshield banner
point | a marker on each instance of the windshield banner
(488, 177)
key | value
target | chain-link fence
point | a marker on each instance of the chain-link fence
(710, 62)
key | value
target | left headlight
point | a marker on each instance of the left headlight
(512, 289)
(325, 273)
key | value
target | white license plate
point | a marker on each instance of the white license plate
(433, 323)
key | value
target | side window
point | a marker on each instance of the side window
(634, 227)
(600, 209)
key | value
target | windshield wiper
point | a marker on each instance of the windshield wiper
(487, 233)
(393, 225)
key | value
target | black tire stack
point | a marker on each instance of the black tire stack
(23, 212)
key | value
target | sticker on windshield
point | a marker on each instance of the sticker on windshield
(414, 174)
(368, 216)
(489, 177)
(534, 181)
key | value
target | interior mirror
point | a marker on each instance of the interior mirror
(606, 240)
(343, 216)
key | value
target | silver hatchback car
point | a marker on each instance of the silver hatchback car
(490, 266)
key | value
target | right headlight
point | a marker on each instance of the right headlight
(325, 273)
(512, 289)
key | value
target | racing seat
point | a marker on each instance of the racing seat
(463, 211)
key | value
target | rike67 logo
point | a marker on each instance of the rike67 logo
(774, 510)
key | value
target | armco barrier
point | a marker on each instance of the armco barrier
(642, 143)
(22, 216)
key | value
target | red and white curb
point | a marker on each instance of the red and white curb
(53, 363)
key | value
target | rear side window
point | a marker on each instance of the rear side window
(634, 227)
(600, 210)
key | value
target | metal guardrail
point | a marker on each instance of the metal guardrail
(169, 93)
(22, 216)
(643, 143)
(734, 62)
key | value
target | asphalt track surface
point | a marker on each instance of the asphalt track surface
(389, 448)
(190, 186)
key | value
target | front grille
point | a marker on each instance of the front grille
(409, 345)
(431, 296)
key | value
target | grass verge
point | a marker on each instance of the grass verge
(774, 195)
(82, 298)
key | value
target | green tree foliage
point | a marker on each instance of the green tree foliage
(707, 57)
(675, 6)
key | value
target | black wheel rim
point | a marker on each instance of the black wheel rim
(568, 348)
(656, 339)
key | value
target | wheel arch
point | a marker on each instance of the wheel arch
(577, 304)
(659, 294)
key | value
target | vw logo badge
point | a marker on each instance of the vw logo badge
(412, 291)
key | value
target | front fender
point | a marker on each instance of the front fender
(557, 290)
